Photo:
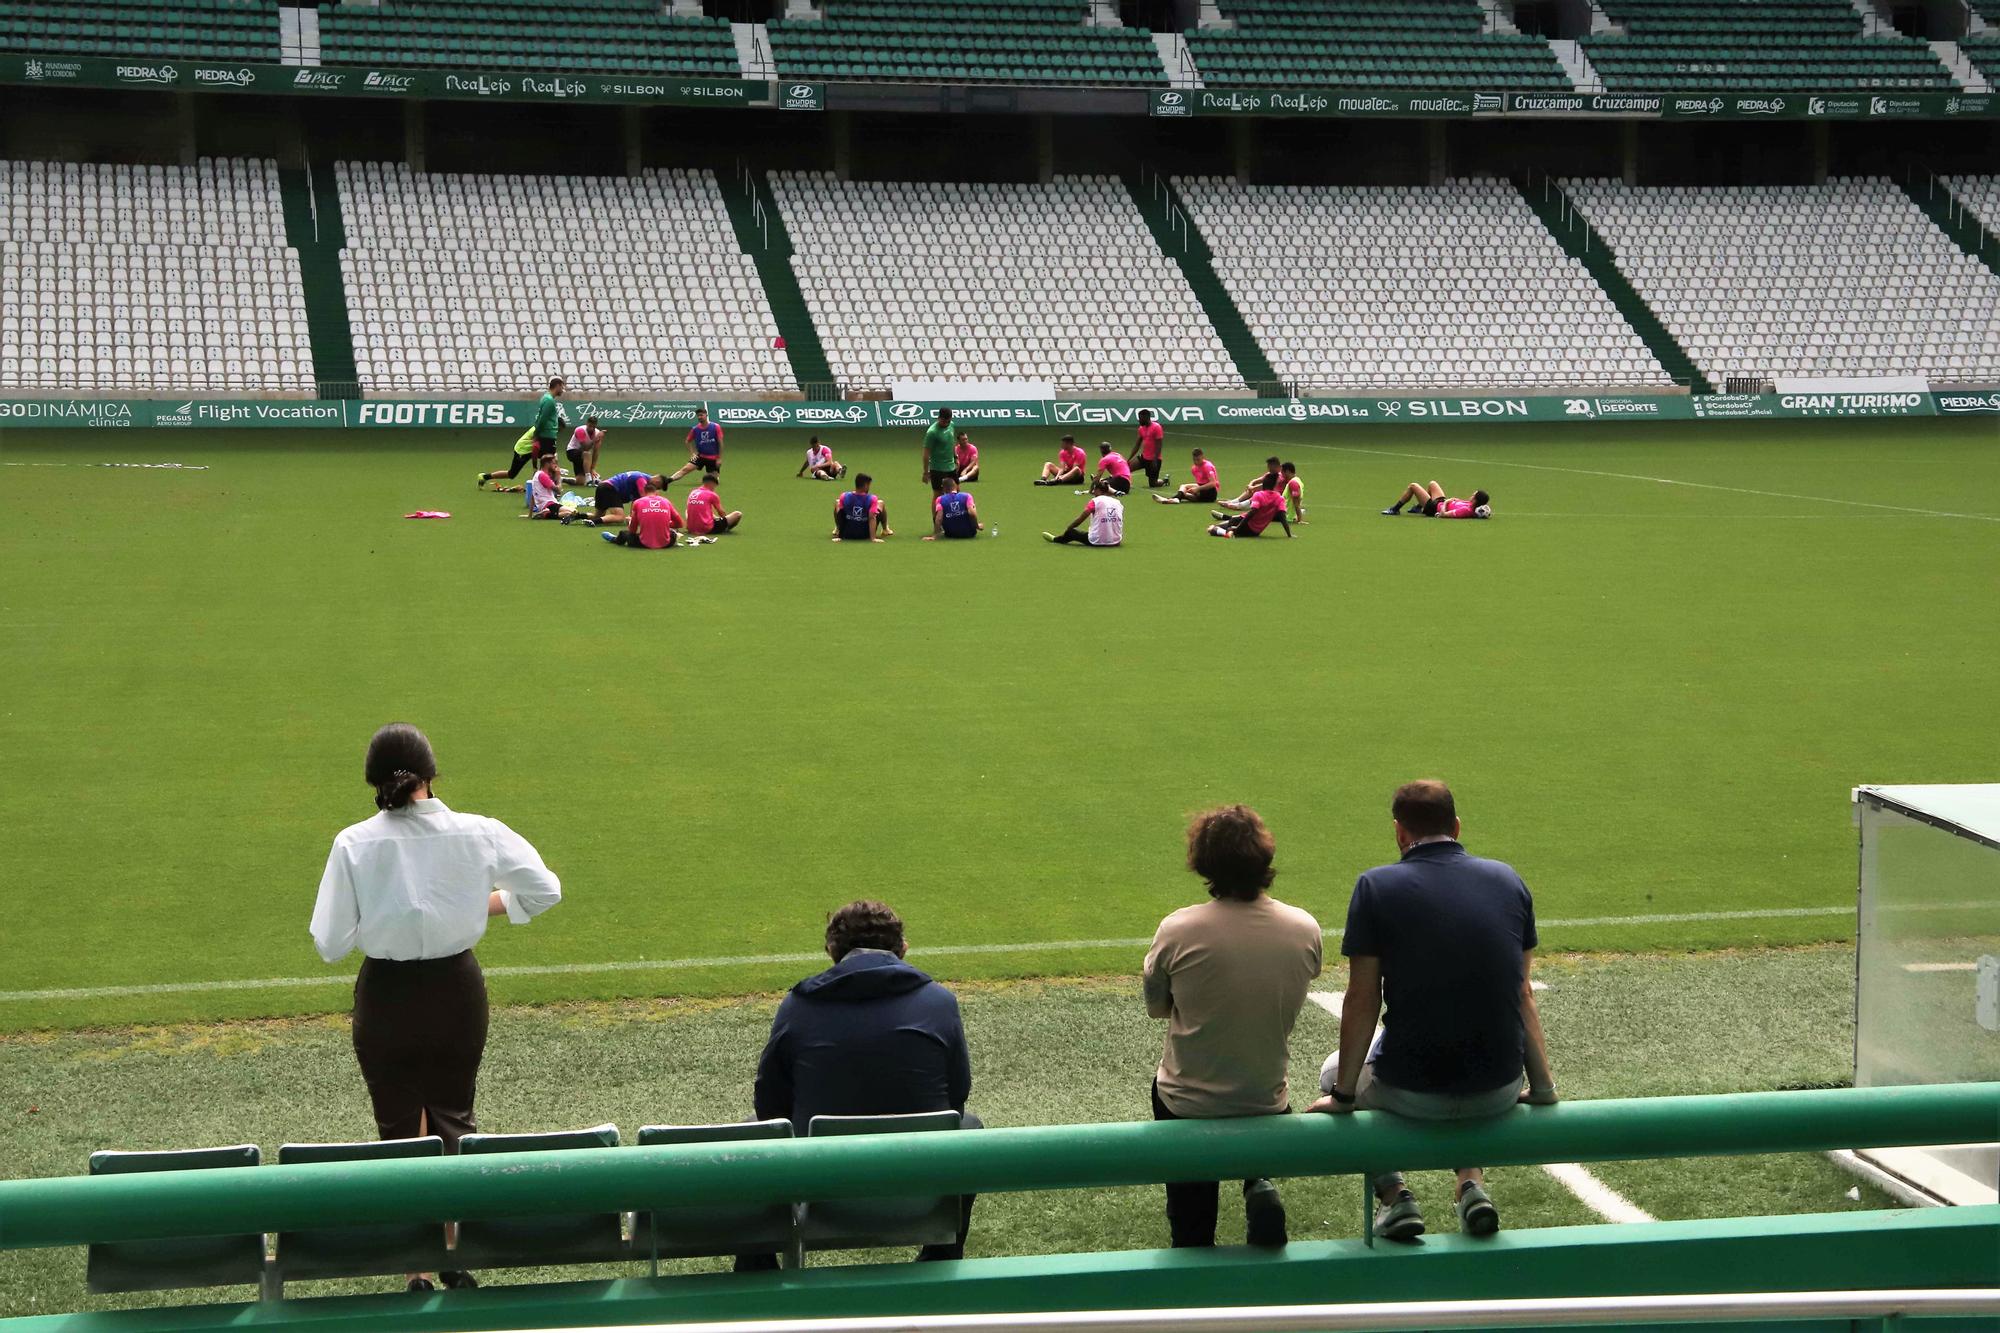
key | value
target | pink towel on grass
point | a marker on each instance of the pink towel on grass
(428, 513)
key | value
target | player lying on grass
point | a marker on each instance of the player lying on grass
(859, 515)
(1265, 506)
(584, 446)
(1068, 467)
(1431, 502)
(1105, 515)
(966, 456)
(614, 493)
(1201, 491)
(954, 513)
(820, 464)
(1273, 477)
(1113, 471)
(705, 516)
(704, 442)
(651, 526)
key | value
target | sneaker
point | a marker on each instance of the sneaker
(458, 1281)
(1263, 1214)
(1166, 499)
(1476, 1214)
(1166, 479)
(421, 1284)
(569, 518)
(1217, 515)
(1048, 536)
(588, 522)
(611, 537)
(1391, 513)
(1399, 1219)
(480, 481)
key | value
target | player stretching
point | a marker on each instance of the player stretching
(859, 515)
(705, 517)
(1265, 506)
(539, 438)
(1431, 502)
(704, 446)
(1069, 466)
(1273, 478)
(1104, 512)
(820, 464)
(940, 451)
(583, 450)
(614, 493)
(965, 457)
(954, 513)
(1150, 444)
(1113, 472)
(652, 525)
(1200, 491)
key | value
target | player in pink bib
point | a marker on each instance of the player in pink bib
(651, 526)
(1113, 470)
(966, 455)
(584, 446)
(1069, 466)
(1201, 490)
(1266, 507)
(1431, 502)
(705, 517)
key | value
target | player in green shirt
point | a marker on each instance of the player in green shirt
(538, 439)
(940, 451)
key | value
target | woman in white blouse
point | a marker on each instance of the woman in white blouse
(413, 888)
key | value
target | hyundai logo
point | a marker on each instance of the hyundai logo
(907, 410)
(802, 90)
(1170, 99)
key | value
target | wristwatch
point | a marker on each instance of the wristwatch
(1344, 1098)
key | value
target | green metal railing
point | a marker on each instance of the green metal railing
(79, 1210)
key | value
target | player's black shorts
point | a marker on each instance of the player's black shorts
(1430, 509)
(1204, 494)
(608, 498)
(937, 478)
(1119, 485)
(545, 448)
(575, 460)
(707, 464)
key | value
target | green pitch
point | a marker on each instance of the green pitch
(1651, 680)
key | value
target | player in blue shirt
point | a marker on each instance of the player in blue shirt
(859, 515)
(614, 493)
(704, 446)
(954, 513)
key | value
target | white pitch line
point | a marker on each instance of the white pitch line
(1595, 1195)
(1940, 967)
(755, 960)
(1593, 472)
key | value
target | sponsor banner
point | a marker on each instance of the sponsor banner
(364, 81)
(1111, 417)
(801, 97)
(1572, 105)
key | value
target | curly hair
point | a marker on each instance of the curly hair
(1231, 850)
(866, 924)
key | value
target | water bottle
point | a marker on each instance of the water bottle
(993, 531)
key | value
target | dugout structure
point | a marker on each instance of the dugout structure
(1927, 966)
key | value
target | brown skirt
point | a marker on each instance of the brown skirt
(419, 1033)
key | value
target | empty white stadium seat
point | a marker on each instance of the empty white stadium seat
(491, 284)
(950, 281)
(149, 278)
(1451, 286)
(1845, 278)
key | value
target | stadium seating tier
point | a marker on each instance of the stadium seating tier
(1460, 285)
(194, 29)
(137, 277)
(601, 36)
(1791, 46)
(1007, 41)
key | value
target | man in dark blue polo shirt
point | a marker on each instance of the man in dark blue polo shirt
(1447, 939)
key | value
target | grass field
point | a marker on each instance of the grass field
(1651, 680)
(1043, 1052)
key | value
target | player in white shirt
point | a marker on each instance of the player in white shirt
(584, 446)
(1105, 516)
(820, 464)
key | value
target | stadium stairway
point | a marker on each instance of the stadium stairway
(760, 230)
(314, 228)
(1578, 239)
(1180, 240)
(1955, 220)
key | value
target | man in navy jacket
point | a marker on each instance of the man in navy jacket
(871, 1035)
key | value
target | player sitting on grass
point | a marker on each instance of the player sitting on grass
(1271, 480)
(1068, 466)
(1294, 492)
(1200, 491)
(545, 495)
(1431, 502)
(705, 517)
(614, 493)
(954, 513)
(583, 449)
(820, 464)
(704, 442)
(1113, 471)
(651, 526)
(1264, 507)
(859, 515)
(966, 456)
(1105, 513)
